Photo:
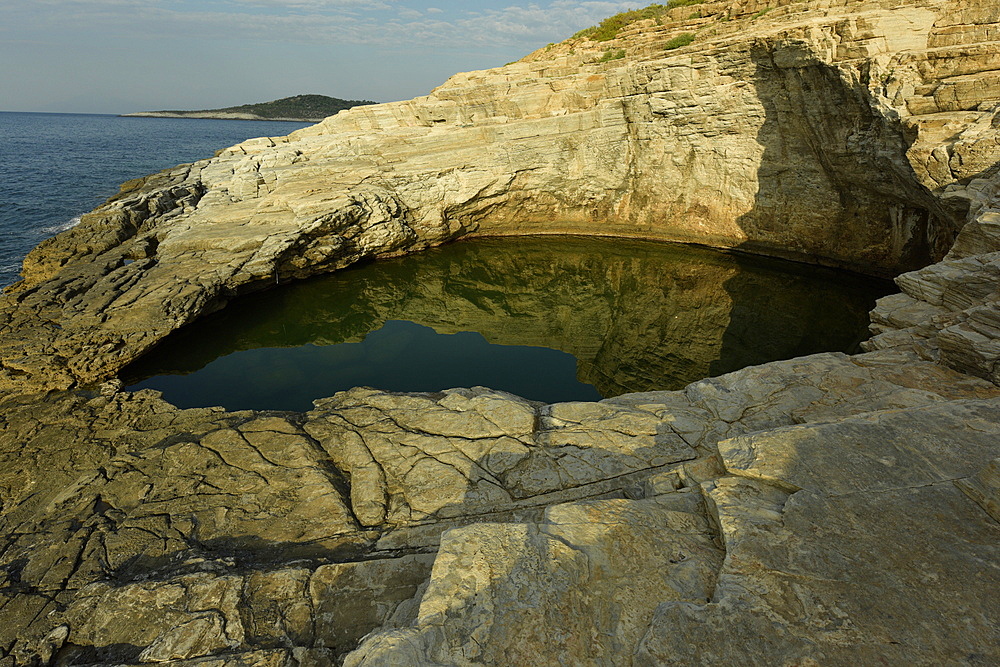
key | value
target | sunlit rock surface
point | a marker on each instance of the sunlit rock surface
(805, 133)
(821, 510)
(151, 533)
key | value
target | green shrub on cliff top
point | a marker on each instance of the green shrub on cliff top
(610, 27)
(611, 54)
(679, 41)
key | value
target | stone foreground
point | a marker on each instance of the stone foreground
(825, 506)
(822, 510)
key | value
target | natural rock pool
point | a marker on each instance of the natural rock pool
(547, 318)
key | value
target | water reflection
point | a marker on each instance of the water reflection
(636, 316)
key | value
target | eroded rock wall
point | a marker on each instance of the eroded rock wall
(801, 135)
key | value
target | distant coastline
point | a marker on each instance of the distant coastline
(219, 115)
(300, 109)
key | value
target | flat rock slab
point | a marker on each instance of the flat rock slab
(871, 453)
(840, 537)
(605, 565)
(822, 544)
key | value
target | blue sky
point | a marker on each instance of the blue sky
(118, 56)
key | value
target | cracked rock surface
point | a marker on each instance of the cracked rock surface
(828, 509)
(449, 523)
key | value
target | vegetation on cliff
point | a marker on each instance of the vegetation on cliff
(609, 28)
(679, 41)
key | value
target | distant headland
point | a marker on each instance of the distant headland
(302, 108)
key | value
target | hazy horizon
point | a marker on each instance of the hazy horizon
(123, 56)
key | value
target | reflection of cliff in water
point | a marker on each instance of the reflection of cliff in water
(637, 316)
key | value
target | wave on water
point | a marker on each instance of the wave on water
(9, 273)
(55, 229)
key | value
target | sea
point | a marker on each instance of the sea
(54, 167)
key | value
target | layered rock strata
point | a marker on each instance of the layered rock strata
(822, 510)
(800, 135)
(950, 311)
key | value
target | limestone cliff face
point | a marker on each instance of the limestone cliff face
(821, 510)
(851, 133)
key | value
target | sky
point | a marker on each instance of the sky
(120, 56)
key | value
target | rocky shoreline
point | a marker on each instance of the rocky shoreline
(821, 510)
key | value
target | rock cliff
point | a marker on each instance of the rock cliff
(800, 135)
(821, 510)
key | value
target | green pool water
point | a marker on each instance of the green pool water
(548, 318)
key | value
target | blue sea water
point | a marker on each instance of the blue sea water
(55, 167)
